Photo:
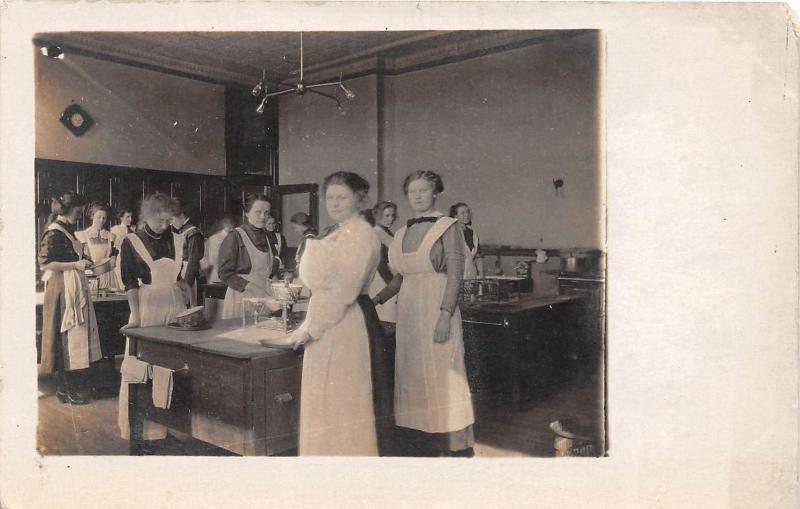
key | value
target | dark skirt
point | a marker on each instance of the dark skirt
(381, 364)
(54, 344)
(413, 442)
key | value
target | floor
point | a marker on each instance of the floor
(499, 432)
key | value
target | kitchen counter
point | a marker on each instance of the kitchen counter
(235, 394)
(112, 297)
(526, 302)
(522, 342)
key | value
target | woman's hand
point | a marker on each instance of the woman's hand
(82, 264)
(441, 333)
(300, 338)
(133, 322)
(186, 290)
(273, 304)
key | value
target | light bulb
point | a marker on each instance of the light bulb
(261, 106)
(347, 92)
(258, 89)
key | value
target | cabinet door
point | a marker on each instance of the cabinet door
(215, 202)
(189, 189)
(51, 183)
(283, 408)
(157, 182)
(127, 191)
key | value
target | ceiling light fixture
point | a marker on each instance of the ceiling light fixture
(52, 52)
(300, 88)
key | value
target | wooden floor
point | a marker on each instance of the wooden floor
(499, 432)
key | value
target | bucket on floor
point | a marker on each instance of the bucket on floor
(570, 442)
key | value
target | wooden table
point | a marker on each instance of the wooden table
(526, 335)
(239, 396)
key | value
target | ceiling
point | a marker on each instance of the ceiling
(240, 56)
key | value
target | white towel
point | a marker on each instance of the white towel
(134, 371)
(162, 387)
(74, 300)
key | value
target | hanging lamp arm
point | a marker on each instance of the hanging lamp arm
(301, 56)
(329, 96)
(280, 92)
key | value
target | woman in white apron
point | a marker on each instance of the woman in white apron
(385, 214)
(432, 401)
(69, 334)
(246, 261)
(473, 262)
(151, 265)
(337, 403)
(120, 231)
(99, 245)
(193, 246)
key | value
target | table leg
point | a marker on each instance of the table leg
(514, 339)
(135, 423)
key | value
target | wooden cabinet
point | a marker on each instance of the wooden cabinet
(238, 396)
(123, 187)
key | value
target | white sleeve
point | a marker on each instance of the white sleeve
(348, 268)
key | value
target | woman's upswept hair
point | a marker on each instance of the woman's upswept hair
(454, 208)
(354, 181)
(250, 199)
(64, 204)
(155, 204)
(301, 219)
(379, 207)
(431, 177)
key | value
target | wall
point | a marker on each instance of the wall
(143, 118)
(499, 129)
(316, 139)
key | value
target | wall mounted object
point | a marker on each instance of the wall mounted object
(76, 119)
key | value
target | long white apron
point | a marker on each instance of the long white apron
(159, 302)
(387, 312)
(100, 250)
(470, 255)
(83, 339)
(431, 390)
(336, 406)
(260, 272)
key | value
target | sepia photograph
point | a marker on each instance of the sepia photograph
(439, 254)
(368, 243)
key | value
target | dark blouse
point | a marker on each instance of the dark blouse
(133, 268)
(273, 242)
(193, 249)
(383, 266)
(233, 257)
(468, 237)
(57, 247)
(310, 233)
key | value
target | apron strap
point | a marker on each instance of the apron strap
(396, 249)
(138, 246)
(436, 231)
(252, 250)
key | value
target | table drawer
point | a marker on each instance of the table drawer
(282, 407)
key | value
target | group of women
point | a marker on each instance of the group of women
(419, 271)
(412, 277)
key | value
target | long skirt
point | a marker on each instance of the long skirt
(336, 403)
(79, 346)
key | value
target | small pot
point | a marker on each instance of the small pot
(579, 263)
